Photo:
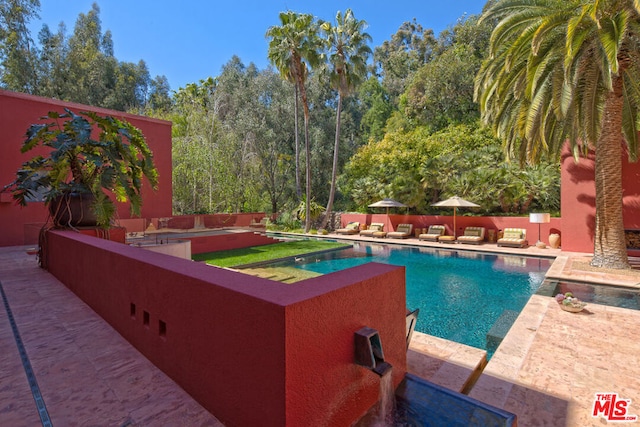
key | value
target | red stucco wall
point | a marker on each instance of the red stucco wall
(251, 351)
(17, 112)
(578, 200)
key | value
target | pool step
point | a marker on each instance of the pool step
(500, 328)
(446, 363)
(285, 274)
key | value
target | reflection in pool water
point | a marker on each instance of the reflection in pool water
(460, 294)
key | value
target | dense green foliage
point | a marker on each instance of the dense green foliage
(405, 126)
(79, 67)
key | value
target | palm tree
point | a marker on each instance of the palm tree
(563, 70)
(348, 48)
(294, 49)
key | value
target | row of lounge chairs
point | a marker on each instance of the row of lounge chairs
(376, 229)
(512, 237)
(472, 235)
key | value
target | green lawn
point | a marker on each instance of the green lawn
(254, 254)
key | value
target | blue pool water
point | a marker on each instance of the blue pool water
(460, 294)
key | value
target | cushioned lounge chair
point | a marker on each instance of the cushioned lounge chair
(433, 233)
(402, 232)
(473, 235)
(514, 237)
(351, 228)
(374, 227)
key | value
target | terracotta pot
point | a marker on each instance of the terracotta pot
(554, 240)
(73, 210)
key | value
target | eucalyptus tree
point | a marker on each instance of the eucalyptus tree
(376, 105)
(18, 55)
(348, 49)
(159, 99)
(89, 51)
(294, 49)
(195, 136)
(441, 91)
(563, 70)
(397, 60)
(53, 67)
(271, 136)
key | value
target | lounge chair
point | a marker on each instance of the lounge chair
(514, 237)
(351, 228)
(374, 227)
(473, 235)
(402, 232)
(433, 233)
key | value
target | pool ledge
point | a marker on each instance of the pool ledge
(552, 363)
(446, 363)
(576, 268)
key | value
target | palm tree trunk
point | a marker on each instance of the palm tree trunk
(305, 105)
(295, 127)
(610, 249)
(334, 173)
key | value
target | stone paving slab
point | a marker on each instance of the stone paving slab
(552, 363)
(446, 363)
(87, 373)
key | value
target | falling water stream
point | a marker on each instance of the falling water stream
(387, 402)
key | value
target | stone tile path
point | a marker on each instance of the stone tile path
(87, 373)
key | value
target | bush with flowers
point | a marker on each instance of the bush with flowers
(569, 302)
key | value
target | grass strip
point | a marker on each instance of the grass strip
(254, 254)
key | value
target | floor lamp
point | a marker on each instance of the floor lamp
(539, 218)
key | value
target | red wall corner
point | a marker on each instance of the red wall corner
(578, 200)
(251, 351)
(18, 111)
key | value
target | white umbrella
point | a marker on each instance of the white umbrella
(456, 202)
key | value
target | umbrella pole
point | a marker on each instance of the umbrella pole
(388, 222)
(454, 223)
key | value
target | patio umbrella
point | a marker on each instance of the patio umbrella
(387, 203)
(456, 202)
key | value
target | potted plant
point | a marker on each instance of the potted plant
(79, 169)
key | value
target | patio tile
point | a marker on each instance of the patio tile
(87, 373)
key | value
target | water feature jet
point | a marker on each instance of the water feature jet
(368, 351)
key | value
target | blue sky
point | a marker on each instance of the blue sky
(190, 40)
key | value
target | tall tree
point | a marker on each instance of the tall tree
(568, 70)
(53, 66)
(294, 49)
(88, 60)
(348, 51)
(159, 98)
(441, 91)
(376, 107)
(396, 60)
(17, 54)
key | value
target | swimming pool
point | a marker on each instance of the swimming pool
(461, 294)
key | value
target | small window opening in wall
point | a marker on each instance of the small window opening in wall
(132, 310)
(162, 329)
(145, 318)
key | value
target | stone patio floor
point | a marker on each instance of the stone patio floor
(547, 370)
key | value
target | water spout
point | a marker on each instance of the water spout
(368, 351)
